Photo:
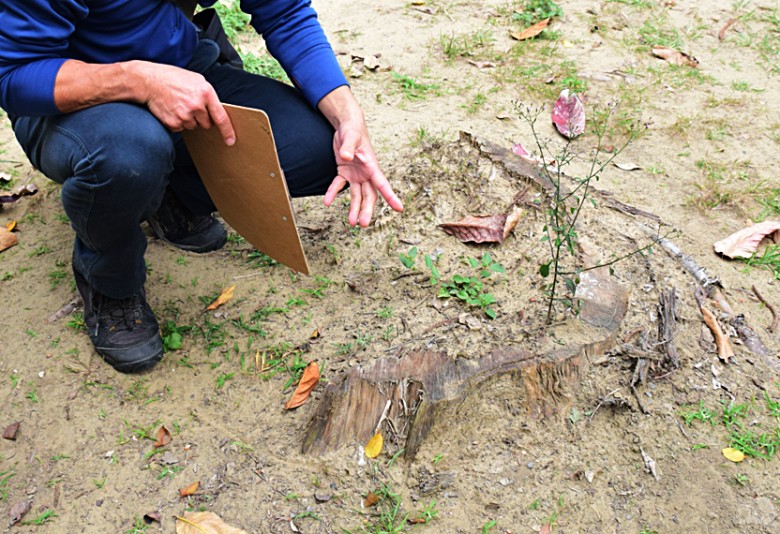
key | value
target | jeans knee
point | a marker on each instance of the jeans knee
(139, 161)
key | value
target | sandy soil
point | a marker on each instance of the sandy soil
(706, 161)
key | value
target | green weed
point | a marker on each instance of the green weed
(703, 414)
(46, 517)
(533, 11)
(468, 289)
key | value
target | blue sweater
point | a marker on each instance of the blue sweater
(38, 36)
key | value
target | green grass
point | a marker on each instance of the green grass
(265, 65)
(413, 89)
(234, 21)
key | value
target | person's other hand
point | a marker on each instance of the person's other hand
(358, 166)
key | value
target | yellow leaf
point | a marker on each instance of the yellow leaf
(10, 226)
(374, 446)
(223, 297)
(733, 455)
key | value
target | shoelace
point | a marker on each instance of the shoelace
(116, 312)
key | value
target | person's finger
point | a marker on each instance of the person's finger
(221, 119)
(367, 204)
(335, 187)
(202, 118)
(349, 143)
(354, 204)
(386, 190)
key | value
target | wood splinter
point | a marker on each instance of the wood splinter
(725, 352)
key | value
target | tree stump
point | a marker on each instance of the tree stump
(407, 395)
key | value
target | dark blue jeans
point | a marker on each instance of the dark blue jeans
(115, 160)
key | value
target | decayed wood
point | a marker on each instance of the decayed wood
(667, 326)
(423, 386)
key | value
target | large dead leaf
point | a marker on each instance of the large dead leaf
(19, 192)
(204, 523)
(484, 228)
(675, 57)
(163, 437)
(743, 244)
(531, 31)
(223, 297)
(374, 445)
(569, 114)
(7, 238)
(309, 379)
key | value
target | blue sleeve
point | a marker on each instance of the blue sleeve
(33, 37)
(295, 38)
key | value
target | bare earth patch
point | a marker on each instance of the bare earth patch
(610, 420)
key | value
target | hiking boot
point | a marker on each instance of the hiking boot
(174, 223)
(123, 331)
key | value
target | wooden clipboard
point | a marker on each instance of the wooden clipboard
(247, 185)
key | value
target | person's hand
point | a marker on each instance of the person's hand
(180, 99)
(355, 158)
(358, 166)
(184, 100)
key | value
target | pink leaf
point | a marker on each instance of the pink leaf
(520, 150)
(569, 114)
(743, 244)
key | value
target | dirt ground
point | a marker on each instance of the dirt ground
(706, 165)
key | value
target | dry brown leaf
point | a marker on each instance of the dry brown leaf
(531, 31)
(223, 297)
(18, 511)
(370, 500)
(189, 490)
(7, 239)
(675, 57)
(724, 29)
(374, 445)
(11, 431)
(484, 228)
(204, 523)
(163, 437)
(309, 379)
(19, 192)
(152, 517)
(743, 244)
(482, 64)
